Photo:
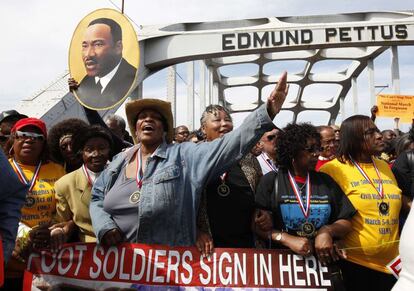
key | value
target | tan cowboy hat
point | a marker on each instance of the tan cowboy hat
(133, 108)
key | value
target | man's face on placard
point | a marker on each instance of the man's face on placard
(99, 52)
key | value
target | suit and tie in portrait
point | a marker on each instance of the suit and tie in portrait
(117, 87)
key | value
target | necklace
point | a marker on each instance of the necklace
(134, 198)
(383, 206)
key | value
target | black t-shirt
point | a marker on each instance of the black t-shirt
(403, 169)
(230, 216)
(328, 202)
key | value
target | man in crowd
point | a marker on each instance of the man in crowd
(327, 145)
(181, 133)
(117, 125)
(7, 119)
(109, 76)
(388, 135)
(336, 130)
(267, 158)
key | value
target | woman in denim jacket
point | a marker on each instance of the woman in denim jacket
(151, 192)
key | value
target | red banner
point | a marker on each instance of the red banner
(133, 265)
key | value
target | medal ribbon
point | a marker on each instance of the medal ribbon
(380, 189)
(223, 177)
(139, 173)
(85, 171)
(23, 178)
(298, 195)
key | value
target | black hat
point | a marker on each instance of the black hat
(80, 138)
(11, 113)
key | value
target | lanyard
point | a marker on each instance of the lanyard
(139, 174)
(23, 178)
(85, 171)
(380, 189)
(223, 177)
(305, 208)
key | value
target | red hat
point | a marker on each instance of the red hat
(30, 121)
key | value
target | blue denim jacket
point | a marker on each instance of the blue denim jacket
(173, 182)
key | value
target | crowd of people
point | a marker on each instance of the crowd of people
(341, 194)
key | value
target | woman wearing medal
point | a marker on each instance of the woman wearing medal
(73, 191)
(371, 187)
(230, 196)
(151, 192)
(29, 159)
(310, 211)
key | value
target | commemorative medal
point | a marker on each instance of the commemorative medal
(383, 208)
(134, 198)
(136, 195)
(308, 229)
(223, 189)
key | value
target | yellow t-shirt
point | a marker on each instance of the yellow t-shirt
(40, 206)
(372, 241)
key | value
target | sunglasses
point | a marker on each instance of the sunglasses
(270, 137)
(29, 135)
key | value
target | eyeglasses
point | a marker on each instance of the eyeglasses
(314, 149)
(270, 137)
(29, 135)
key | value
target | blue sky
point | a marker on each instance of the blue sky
(36, 39)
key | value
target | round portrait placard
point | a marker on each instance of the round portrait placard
(104, 59)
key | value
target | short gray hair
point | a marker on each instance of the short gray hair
(119, 120)
(213, 109)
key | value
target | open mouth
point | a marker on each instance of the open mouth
(224, 131)
(90, 64)
(147, 128)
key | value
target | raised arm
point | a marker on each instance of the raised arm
(211, 159)
(278, 96)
